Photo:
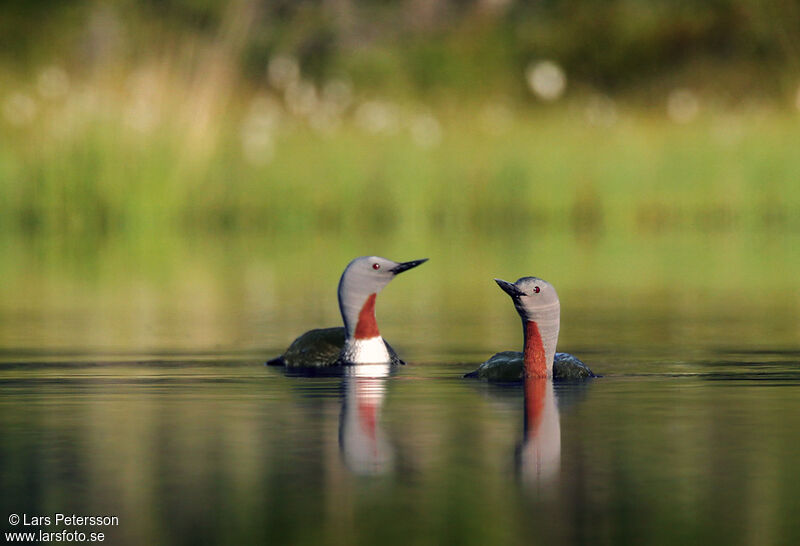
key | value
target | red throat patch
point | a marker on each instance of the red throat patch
(534, 358)
(367, 327)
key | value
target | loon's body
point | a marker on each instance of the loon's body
(359, 341)
(538, 306)
(508, 366)
(320, 348)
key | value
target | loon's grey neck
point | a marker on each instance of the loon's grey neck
(363, 341)
(540, 329)
(357, 305)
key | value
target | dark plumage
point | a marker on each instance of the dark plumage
(319, 348)
(508, 366)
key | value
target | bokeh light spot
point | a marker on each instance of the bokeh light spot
(546, 80)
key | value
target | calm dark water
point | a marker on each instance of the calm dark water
(134, 386)
(228, 451)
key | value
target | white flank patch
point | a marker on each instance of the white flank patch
(366, 351)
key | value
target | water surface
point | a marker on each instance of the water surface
(142, 394)
(230, 451)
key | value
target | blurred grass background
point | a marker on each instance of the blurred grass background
(620, 145)
(291, 117)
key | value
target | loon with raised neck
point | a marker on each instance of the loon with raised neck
(359, 341)
(537, 304)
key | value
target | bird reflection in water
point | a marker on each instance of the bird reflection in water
(538, 456)
(365, 449)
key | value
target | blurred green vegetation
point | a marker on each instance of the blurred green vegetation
(384, 117)
(539, 170)
(465, 46)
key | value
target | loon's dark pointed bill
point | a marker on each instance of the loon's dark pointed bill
(405, 266)
(509, 288)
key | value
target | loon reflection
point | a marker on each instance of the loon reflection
(538, 456)
(364, 446)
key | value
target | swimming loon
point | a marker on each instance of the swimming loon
(359, 341)
(538, 306)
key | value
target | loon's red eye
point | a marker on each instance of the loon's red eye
(376, 266)
(536, 289)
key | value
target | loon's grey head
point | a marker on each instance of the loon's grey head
(532, 296)
(363, 277)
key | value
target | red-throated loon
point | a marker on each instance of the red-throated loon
(359, 341)
(537, 304)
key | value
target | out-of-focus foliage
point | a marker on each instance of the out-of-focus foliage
(435, 45)
(293, 117)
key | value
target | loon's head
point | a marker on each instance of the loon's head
(532, 296)
(361, 281)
